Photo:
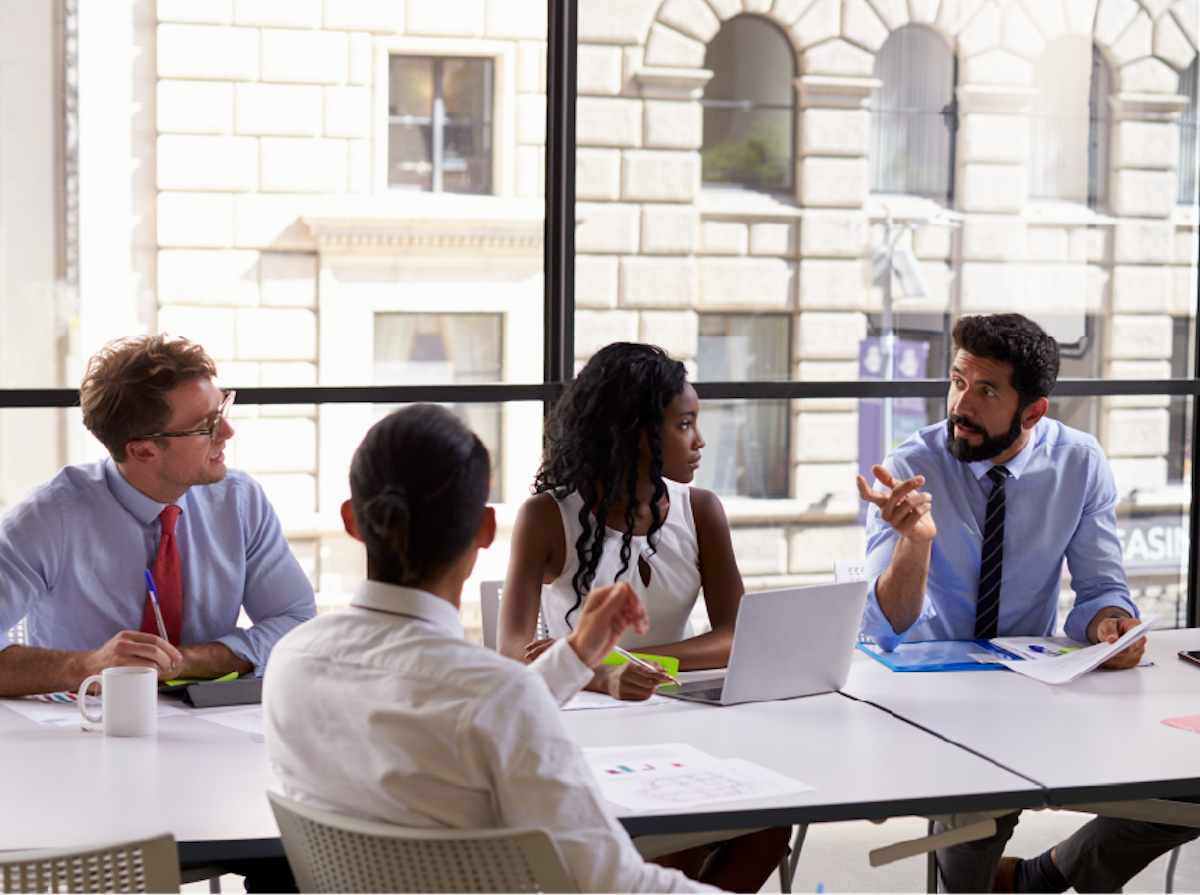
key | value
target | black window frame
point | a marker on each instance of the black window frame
(558, 342)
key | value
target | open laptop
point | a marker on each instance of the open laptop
(792, 642)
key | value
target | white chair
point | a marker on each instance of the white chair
(489, 610)
(489, 613)
(149, 865)
(849, 571)
(331, 852)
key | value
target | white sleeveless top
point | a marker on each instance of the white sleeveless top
(674, 572)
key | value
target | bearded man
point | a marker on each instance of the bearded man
(970, 522)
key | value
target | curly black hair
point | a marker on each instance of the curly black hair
(1013, 339)
(592, 445)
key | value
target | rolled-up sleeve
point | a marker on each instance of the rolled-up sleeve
(277, 595)
(1094, 554)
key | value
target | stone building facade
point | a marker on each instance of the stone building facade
(266, 227)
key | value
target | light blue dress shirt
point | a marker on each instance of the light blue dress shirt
(74, 551)
(1059, 504)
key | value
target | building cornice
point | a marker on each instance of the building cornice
(376, 235)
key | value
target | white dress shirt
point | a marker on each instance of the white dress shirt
(386, 711)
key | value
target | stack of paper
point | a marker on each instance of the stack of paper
(1066, 667)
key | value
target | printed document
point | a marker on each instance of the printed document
(677, 776)
(1066, 667)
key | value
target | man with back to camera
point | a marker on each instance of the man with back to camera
(1008, 494)
(74, 551)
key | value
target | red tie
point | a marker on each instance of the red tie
(167, 580)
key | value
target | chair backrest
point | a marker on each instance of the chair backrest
(849, 571)
(489, 613)
(489, 610)
(149, 865)
(331, 852)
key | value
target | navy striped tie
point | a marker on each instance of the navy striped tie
(991, 566)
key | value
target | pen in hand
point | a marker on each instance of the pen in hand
(162, 629)
(641, 663)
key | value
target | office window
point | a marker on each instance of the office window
(440, 124)
(1069, 128)
(914, 115)
(749, 106)
(1187, 136)
(445, 349)
(747, 442)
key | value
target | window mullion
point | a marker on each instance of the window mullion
(439, 128)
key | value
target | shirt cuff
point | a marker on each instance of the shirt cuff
(240, 644)
(562, 670)
(1080, 617)
(876, 625)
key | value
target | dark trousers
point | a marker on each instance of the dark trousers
(1101, 856)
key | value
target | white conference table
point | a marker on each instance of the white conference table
(1099, 738)
(205, 783)
(863, 762)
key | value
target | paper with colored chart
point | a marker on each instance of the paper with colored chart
(676, 776)
(65, 712)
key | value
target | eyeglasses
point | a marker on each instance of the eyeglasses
(212, 430)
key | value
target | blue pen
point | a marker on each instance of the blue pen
(162, 629)
(1037, 649)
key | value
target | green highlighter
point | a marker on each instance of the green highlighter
(195, 680)
(669, 663)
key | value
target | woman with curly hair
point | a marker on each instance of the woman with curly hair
(612, 503)
(621, 445)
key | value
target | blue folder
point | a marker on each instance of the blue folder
(937, 655)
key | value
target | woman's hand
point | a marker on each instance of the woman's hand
(535, 649)
(607, 613)
(628, 681)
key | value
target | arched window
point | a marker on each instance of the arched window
(749, 106)
(1069, 129)
(914, 115)
(1187, 137)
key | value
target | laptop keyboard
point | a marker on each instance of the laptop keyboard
(710, 693)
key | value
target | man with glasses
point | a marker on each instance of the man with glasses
(75, 551)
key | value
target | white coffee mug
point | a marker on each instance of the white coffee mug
(129, 701)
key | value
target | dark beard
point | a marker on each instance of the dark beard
(992, 446)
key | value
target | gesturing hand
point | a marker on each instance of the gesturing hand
(607, 612)
(902, 506)
(537, 647)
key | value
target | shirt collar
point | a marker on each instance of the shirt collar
(1016, 465)
(144, 509)
(408, 601)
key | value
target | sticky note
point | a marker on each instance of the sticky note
(669, 663)
(1191, 722)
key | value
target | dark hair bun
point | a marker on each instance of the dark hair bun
(418, 484)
